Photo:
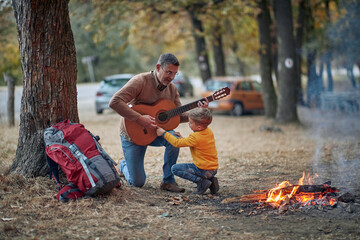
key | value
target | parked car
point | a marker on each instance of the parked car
(245, 95)
(109, 86)
(183, 84)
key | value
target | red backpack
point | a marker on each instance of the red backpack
(88, 168)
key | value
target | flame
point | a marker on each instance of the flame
(276, 196)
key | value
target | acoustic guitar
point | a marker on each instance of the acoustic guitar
(166, 115)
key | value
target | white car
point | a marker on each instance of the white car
(109, 86)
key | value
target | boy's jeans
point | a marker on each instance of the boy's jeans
(190, 172)
(133, 165)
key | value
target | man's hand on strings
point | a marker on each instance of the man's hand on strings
(147, 121)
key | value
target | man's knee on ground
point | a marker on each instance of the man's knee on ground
(137, 182)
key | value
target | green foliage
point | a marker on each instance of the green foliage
(152, 27)
(127, 36)
(104, 41)
(345, 34)
(9, 48)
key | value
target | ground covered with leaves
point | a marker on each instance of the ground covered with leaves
(254, 153)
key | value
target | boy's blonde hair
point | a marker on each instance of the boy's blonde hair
(201, 116)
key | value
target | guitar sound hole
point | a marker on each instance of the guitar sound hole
(162, 117)
(145, 131)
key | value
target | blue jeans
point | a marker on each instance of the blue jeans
(191, 172)
(133, 165)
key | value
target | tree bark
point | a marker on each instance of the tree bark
(328, 54)
(268, 90)
(234, 47)
(300, 26)
(312, 90)
(350, 74)
(329, 72)
(48, 61)
(313, 83)
(219, 57)
(286, 110)
(274, 50)
(201, 51)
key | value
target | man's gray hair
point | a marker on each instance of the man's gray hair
(167, 58)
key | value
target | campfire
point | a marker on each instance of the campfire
(285, 194)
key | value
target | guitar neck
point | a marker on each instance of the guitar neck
(184, 108)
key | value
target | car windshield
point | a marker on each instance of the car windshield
(213, 85)
(116, 82)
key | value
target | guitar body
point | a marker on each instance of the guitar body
(144, 136)
(166, 115)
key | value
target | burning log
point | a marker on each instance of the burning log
(263, 195)
(315, 189)
(286, 194)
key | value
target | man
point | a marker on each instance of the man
(148, 88)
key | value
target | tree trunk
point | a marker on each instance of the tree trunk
(219, 57)
(350, 74)
(298, 42)
(313, 85)
(234, 47)
(328, 54)
(268, 90)
(286, 110)
(329, 72)
(313, 91)
(48, 60)
(201, 51)
(274, 50)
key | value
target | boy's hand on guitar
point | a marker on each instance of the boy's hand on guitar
(159, 131)
(203, 104)
(147, 121)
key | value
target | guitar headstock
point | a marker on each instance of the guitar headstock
(218, 94)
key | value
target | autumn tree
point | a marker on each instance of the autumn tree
(345, 35)
(300, 28)
(268, 90)
(287, 100)
(201, 50)
(48, 61)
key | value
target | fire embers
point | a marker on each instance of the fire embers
(303, 195)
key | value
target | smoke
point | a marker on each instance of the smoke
(337, 147)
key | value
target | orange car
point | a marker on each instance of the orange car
(245, 95)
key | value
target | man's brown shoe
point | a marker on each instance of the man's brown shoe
(172, 187)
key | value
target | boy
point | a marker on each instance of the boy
(202, 146)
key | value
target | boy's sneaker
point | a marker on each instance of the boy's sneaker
(202, 186)
(214, 187)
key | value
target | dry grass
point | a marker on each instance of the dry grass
(250, 159)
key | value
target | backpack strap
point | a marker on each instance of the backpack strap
(101, 150)
(69, 192)
(106, 156)
(53, 171)
(83, 159)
